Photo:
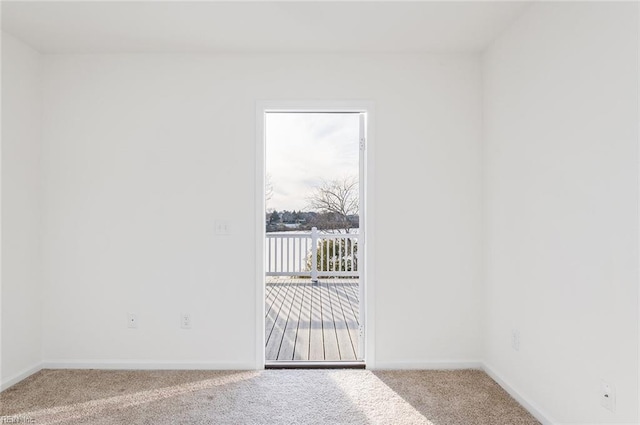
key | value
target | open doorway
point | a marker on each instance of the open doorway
(314, 238)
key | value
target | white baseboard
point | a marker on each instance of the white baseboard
(432, 365)
(517, 395)
(143, 365)
(20, 376)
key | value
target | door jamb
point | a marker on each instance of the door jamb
(367, 275)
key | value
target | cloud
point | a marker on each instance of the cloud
(303, 149)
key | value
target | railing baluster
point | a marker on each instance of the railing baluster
(281, 254)
(321, 266)
(296, 255)
(347, 247)
(350, 254)
(270, 247)
(340, 246)
(328, 254)
(355, 254)
(322, 249)
(353, 257)
(334, 257)
(300, 255)
(314, 255)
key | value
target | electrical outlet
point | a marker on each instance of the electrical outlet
(607, 396)
(515, 339)
(132, 320)
(185, 321)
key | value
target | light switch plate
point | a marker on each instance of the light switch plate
(223, 227)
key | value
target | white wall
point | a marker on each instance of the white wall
(561, 208)
(21, 279)
(143, 152)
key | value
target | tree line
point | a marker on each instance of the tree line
(333, 205)
(277, 221)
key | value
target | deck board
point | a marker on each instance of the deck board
(316, 343)
(345, 327)
(273, 309)
(345, 346)
(351, 295)
(267, 292)
(331, 350)
(270, 295)
(280, 322)
(301, 351)
(291, 329)
(311, 322)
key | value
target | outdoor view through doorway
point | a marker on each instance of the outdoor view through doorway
(313, 236)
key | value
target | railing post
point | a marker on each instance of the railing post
(314, 255)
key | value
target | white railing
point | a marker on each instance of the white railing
(312, 254)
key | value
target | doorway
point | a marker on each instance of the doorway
(313, 238)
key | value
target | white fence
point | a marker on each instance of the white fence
(312, 255)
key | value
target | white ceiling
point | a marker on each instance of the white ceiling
(258, 27)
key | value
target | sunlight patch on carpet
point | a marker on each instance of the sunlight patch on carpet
(369, 393)
(91, 408)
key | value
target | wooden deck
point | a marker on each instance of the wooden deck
(311, 322)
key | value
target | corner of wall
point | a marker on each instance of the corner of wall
(20, 376)
(21, 146)
(524, 401)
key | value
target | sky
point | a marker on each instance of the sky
(302, 149)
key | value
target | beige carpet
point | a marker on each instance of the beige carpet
(261, 397)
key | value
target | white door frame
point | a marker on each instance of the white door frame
(367, 220)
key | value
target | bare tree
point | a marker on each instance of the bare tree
(340, 197)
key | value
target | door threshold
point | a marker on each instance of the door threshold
(302, 364)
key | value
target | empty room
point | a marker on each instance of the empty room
(309, 212)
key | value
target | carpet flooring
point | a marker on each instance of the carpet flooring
(329, 396)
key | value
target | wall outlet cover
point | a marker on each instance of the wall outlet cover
(607, 396)
(185, 320)
(132, 320)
